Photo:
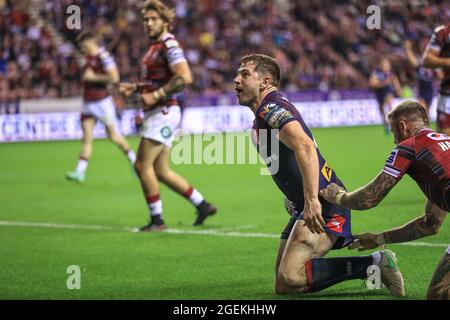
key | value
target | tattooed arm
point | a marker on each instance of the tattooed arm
(418, 228)
(363, 198)
(421, 227)
(182, 77)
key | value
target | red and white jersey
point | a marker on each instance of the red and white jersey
(426, 158)
(440, 42)
(155, 67)
(100, 64)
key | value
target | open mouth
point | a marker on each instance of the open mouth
(238, 91)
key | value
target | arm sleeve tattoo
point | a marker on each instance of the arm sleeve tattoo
(421, 227)
(175, 84)
(370, 195)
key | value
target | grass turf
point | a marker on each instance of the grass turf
(116, 264)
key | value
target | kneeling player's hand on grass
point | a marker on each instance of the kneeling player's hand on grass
(330, 192)
(312, 214)
(367, 241)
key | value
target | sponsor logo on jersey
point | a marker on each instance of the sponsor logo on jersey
(277, 116)
(266, 109)
(437, 136)
(392, 157)
(327, 172)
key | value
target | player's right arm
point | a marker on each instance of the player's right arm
(363, 198)
(295, 138)
(431, 57)
(424, 226)
(369, 196)
(111, 71)
(410, 54)
(432, 60)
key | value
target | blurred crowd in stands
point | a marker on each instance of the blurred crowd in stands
(320, 44)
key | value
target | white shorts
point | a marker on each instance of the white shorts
(160, 124)
(102, 110)
(443, 104)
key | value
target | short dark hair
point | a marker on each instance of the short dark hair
(410, 110)
(265, 64)
(166, 13)
(85, 35)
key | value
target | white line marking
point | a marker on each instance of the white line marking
(209, 232)
(60, 225)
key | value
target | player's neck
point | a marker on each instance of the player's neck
(162, 35)
(416, 130)
(262, 96)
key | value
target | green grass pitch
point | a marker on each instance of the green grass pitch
(117, 264)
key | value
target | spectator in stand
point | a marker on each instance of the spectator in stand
(320, 44)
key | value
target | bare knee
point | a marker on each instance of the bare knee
(432, 294)
(138, 167)
(438, 293)
(115, 138)
(290, 279)
(162, 174)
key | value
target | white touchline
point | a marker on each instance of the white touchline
(209, 232)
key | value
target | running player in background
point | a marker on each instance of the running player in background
(425, 156)
(437, 55)
(384, 84)
(165, 73)
(98, 72)
(425, 76)
(299, 170)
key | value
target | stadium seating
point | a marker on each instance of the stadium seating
(320, 44)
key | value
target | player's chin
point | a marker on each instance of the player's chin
(242, 101)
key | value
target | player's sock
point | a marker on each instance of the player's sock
(82, 165)
(131, 156)
(377, 257)
(155, 208)
(194, 196)
(325, 272)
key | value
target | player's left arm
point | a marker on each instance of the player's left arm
(363, 198)
(295, 138)
(111, 71)
(431, 59)
(397, 85)
(182, 76)
(111, 76)
(421, 227)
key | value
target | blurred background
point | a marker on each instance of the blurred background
(324, 47)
